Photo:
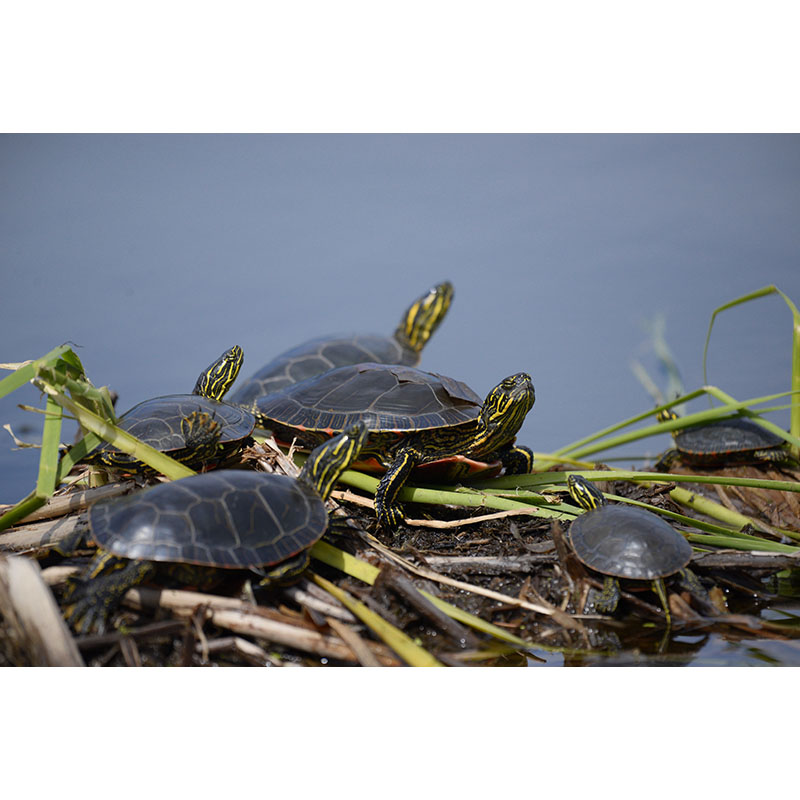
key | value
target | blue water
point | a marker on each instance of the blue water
(155, 253)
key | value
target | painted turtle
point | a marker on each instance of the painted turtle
(327, 352)
(622, 541)
(726, 441)
(197, 530)
(413, 417)
(192, 428)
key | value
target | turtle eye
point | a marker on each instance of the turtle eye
(509, 383)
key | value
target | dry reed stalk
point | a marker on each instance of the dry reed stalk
(29, 609)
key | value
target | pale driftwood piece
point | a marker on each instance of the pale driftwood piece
(366, 502)
(361, 649)
(326, 607)
(77, 501)
(252, 652)
(28, 606)
(42, 534)
(746, 560)
(490, 564)
(241, 618)
(56, 576)
(272, 451)
(467, 587)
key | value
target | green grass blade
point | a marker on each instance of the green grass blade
(77, 453)
(403, 645)
(794, 415)
(48, 456)
(557, 478)
(739, 543)
(120, 439)
(356, 568)
(584, 447)
(48, 468)
(464, 497)
(26, 372)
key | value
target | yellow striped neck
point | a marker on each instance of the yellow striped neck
(326, 463)
(215, 381)
(423, 317)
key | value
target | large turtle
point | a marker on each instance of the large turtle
(198, 529)
(413, 417)
(327, 352)
(192, 428)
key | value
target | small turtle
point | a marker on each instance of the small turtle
(726, 441)
(621, 541)
(198, 529)
(413, 417)
(192, 428)
(327, 352)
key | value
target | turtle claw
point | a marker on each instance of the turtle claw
(87, 614)
(389, 517)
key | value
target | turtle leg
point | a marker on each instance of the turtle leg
(667, 460)
(609, 597)
(93, 596)
(517, 459)
(691, 583)
(387, 509)
(661, 591)
(287, 570)
(201, 435)
(775, 455)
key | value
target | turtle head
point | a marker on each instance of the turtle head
(215, 380)
(326, 463)
(423, 317)
(666, 415)
(585, 493)
(507, 404)
(200, 430)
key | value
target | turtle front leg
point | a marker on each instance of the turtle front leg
(661, 590)
(517, 459)
(287, 571)
(667, 461)
(387, 509)
(92, 597)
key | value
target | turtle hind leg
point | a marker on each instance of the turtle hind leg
(609, 596)
(775, 455)
(691, 583)
(92, 597)
(285, 572)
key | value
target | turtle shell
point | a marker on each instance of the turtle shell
(724, 440)
(387, 398)
(319, 355)
(628, 542)
(157, 421)
(232, 519)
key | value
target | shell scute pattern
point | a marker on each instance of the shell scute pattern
(628, 542)
(227, 518)
(315, 357)
(385, 397)
(158, 421)
(725, 437)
